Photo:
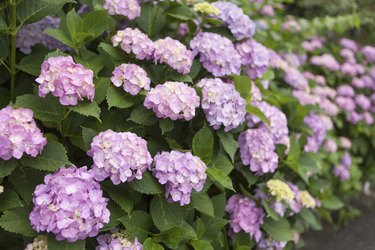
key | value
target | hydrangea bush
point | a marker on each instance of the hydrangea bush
(177, 124)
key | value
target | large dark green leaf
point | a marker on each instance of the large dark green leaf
(203, 144)
(165, 215)
(137, 224)
(17, 221)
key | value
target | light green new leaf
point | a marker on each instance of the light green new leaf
(150, 244)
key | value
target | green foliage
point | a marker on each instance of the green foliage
(203, 144)
(16, 220)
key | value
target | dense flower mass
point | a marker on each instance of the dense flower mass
(128, 8)
(327, 61)
(216, 53)
(316, 123)
(132, 78)
(174, 100)
(181, 173)
(369, 53)
(245, 216)
(258, 150)
(280, 190)
(342, 171)
(64, 78)
(120, 156)
(295, 78)
(134, 41)
(70, 204)
(19, 134)
(117, 240)
(270, 244)
(39, 243)
(222, 104)
(173, 53)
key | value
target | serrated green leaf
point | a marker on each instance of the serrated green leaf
(219, 201)
(87, 135)
(146, 185)
(87, 109)
(31, 63)
(9, 199)
(64, 245)
(201, 244)
(17, 221)
(119, 98)
(203, 144)
(258, 113)
(112, 52)
(143, 116)
(220, 177)
(120, 195)
(202, 202)
(137, 224)
(166, 125)
(173, 236)
(149, 244)
(95, 22)
(60, 36)
(229, 144)
(165, 215)
(279, 230)
(101, 88)
(7, 167)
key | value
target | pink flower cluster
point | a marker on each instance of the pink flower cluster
(132, 78)
(128, 8)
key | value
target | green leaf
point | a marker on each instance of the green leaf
(243, 85)
(64, 245)
(17, 221)
(60, 36)
(152, 19)
(221, 162)
(203, 203)
(116, 213)
(180, 12)
(203, 144)
(332, 202)
(258, 113)
(143, 116)
(172, 237)
(166, 125)
(149, 244)
(165, 215)
(118, 98)
(87, 135)
(310, 219)
(52, 158)
(101, 88)
(7, 167)
(270, 212)
(146, 185)
(87, 109)
(279, 230)
(229, 144)
(137, 224)
(219, 201)
(220, 177)
(112, 52)
(31, 63)
(95, 23)
(9, 199)
(120, 195)
(201, 244)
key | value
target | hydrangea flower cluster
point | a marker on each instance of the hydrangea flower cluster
(132, 78)
(342, 171)
(120, 156)
(330, 146)
(369, 53)
(65, 79)
(117, 240)
(217, 54)
(327, 61)
(254, 56)
(245, 216)
(295, 78)
(222, 104)
(19, 134)
(173, 53)
(280, 190)
(206, 8)
(39, 243)
(180, 173)
(258, 150)
(238, 23)
(70, 204)
(313, 43)
(270, 244)
(316, 123)
(128, 8)
(349, 44)
(174, 100)
(307, 200)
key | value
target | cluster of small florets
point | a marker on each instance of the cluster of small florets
(295, 78)
(307, 200)
(128, 8)
(19, 134)
(342, 171)
(254, 56)
(222, 104)
(39, 243)
(327, 61)
(65, 79)
(70, 204)
(132, 78)
(181, 173)
(330, 145)
(270, 244)
(319, 129)
(349, 44)
(369, 53)
(173, 100)
(117, 240)
(245, 216)
(258, 150)
(280, 190)
(120, 156)
(313, 44)
(216, 53)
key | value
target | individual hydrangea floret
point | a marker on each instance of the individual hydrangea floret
(136, 42)
(129, 8)
(173, 53)
(39, 243)
(254, 56)
(64, 78)
(181, 173)
(117, 240)
(222, 104)
(206, 8)
(131, 77)
(257, 150)
(369, 53)
(327, 61)
(173, 100)
(307, 200)
(120, 156)
(216, 53)
(280, 190)
(368, 118)
(245, 216)
(19, 134)
(70, 204)
(319, 128)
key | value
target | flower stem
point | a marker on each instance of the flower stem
(12, 55)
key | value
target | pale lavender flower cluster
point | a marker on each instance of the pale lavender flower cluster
(64, 78)
(173, 53)
(342, 171)
(117, 240)
(313, 44)
(270, 244)
(349, 44)
(362, 102)
(327, 61)
(257, 150)
(70, 204)
(217, 54)
(238, 23)
(222, 104)
(291, 25)
(132, 78)
(317, 78)
(120, 156)
(174, 100)
(128, 8)
(330, 145)
(305, 98)
(254, 56)
(181, 173)
(19, 134)
(352, 69)
(319, 128)
(245, 216)
(295, 78)
(369, 53)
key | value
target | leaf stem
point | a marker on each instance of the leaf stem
(12, 55)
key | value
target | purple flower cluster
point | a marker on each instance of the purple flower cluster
(330, 145)
(291, 25)
(258, 150)
(173, 53)
(120, 156)
(363, 102)
(174, 100)
(319, 128)
(132, 77)
(217, 54)
(254, 56)
(305, 98)
(316, 78)
(70, 204)
(19, 134)
(369, 53)
(245, 216)
(313, 44)
(65, 79)
(352, 69)
(128, 8)
(117, 240)
(270, 244)
(327, 61)
(222, 104)
(349, 44)
(295, 78)
(180, 173)
(342, 171)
